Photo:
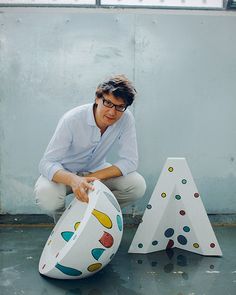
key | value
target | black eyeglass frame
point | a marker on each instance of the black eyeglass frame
(110, 105)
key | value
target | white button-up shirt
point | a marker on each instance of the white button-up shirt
(77, 144)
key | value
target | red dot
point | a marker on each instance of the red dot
(196, 195)
(212, 245)
(170, 244)
(182, 212)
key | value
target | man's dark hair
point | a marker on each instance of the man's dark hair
(119, 86)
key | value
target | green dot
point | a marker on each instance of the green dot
(184, 181)
(140, 245)
(154, 243)
(178, 197)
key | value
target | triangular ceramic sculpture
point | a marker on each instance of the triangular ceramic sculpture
(175, 215)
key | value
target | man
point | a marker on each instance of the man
(76, 154)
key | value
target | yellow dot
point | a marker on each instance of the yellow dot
(163, 195)
(76, 225)
(103, 218)
(94, 267)
(170, 169)
(196, 245)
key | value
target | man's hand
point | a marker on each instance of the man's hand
(80, 187)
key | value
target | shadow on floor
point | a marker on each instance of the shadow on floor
(172, 272)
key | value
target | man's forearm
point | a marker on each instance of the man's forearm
(63, 176)
(107, 173)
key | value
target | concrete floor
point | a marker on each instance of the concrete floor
(175, 272)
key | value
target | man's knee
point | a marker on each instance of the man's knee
(48, 195)
(139, 186)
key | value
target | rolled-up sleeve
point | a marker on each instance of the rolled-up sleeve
(56, 149)
(128, 152)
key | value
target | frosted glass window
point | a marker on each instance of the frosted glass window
(167, 3)
(51, 2)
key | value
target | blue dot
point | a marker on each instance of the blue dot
(169, 232)
(182, 240)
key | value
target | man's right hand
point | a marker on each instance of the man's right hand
(81, 185)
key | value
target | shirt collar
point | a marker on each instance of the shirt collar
(91, 119)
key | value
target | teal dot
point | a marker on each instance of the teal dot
(68, 270)
(178, 197)
(184, 181)
(186, 229)
(140, 245)
(154, 243)
(149, 206)
(119, 222)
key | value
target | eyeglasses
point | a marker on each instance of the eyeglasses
(109, 104)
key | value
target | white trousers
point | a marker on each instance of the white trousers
(50, 196)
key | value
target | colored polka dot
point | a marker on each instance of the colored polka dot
(140, 261)
(212, 245)
(94, 267)
(57, 254)
(149, 206)
(170, 169)
(170, 244)
(119, 222)
(178, 197)
(182, 212)
(169, 232)
(186, 229)
(212, 266)
(154, 243)
(49, 242)
(68, 270)
(140, 245)
(184, 181)
(182, 240)
(76, 225)
(196, 245)
(97, 253)
(43, 266)
(196, 195)
(163, 195)
(106, 240)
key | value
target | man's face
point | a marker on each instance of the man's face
(105, 115)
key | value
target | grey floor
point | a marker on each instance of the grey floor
(175, 272)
